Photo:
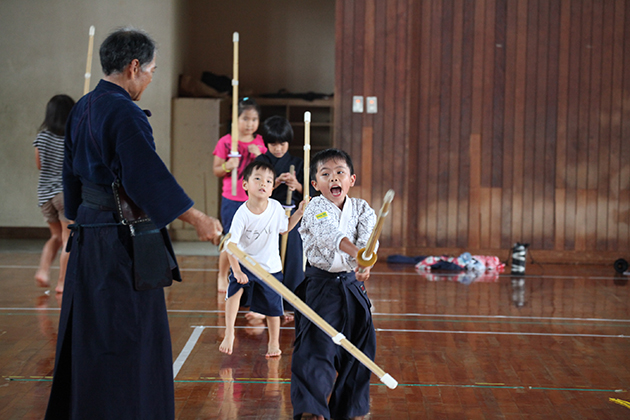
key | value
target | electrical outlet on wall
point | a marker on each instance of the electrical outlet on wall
(372, 105)
(357, 104)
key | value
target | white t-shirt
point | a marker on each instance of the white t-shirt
(257, 234)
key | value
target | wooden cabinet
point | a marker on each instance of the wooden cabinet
(197, 125)
(322, 120)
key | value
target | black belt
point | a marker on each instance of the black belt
(97, 200)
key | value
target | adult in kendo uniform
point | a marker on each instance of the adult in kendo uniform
(114, 357)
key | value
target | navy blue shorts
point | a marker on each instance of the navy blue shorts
(264, 300)
(228, 209)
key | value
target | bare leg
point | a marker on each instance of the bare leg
(231, 310)
(273, 326)
(224, 271)
(63, 258)
(49, 253)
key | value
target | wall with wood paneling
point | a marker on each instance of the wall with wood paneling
(499, 121)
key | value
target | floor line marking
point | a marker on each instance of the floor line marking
(451, 321)
(443, 331)
(183, 355)
(546, 318)
(26, 266)
(288, 381)
(212, 311)
(549, 318)
(503, 333)
(406, 273)
(500, 275)
(56, 267)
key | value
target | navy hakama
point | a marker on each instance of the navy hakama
(114, 357)
(319, 367)
(260, 297)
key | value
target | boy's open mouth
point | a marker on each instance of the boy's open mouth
(336, 191)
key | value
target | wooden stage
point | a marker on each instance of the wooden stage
(554, 344)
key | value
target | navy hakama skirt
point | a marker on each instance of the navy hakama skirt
(114, 358)
(321, 368)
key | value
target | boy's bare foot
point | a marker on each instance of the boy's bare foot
(42, 279)
(59, 288)
(288, 317)
(227, 344)
(254, 316)
(273, 351)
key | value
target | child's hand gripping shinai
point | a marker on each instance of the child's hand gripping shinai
(366, 257)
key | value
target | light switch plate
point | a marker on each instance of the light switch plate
(372, 105)
(357, 104)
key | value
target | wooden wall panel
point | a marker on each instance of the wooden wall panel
(498, 121)
(419, 131)
(508, 112)
(623, 218)
(455, 128)
(561, 125)
(615, 122)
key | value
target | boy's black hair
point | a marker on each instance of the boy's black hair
(257, 164)
(247, 103)
(57, 111)
(326, 155)
(277, 129)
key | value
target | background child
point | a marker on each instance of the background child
(255, 229)
(250, 145)
(49, 152)
(278, 135)
(334, 228)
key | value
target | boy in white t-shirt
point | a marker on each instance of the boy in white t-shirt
(255, 229)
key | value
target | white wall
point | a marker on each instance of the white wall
(284, 44)
(43, 47)
(43, 52)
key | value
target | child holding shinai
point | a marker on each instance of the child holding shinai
(255, 229)
(250, 145)
(326, 380)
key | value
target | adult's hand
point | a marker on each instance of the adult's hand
(208, 228)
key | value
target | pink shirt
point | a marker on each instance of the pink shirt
(222, 150)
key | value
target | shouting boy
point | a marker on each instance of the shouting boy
(334, 228)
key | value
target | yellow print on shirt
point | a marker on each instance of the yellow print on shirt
(321, 215)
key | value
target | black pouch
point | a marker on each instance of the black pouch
(152, 263)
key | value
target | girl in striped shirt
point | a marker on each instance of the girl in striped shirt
(49, 152)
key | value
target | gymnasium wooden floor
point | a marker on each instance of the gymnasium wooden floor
(555, 345)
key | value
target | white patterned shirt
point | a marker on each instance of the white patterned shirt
(324, 225)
